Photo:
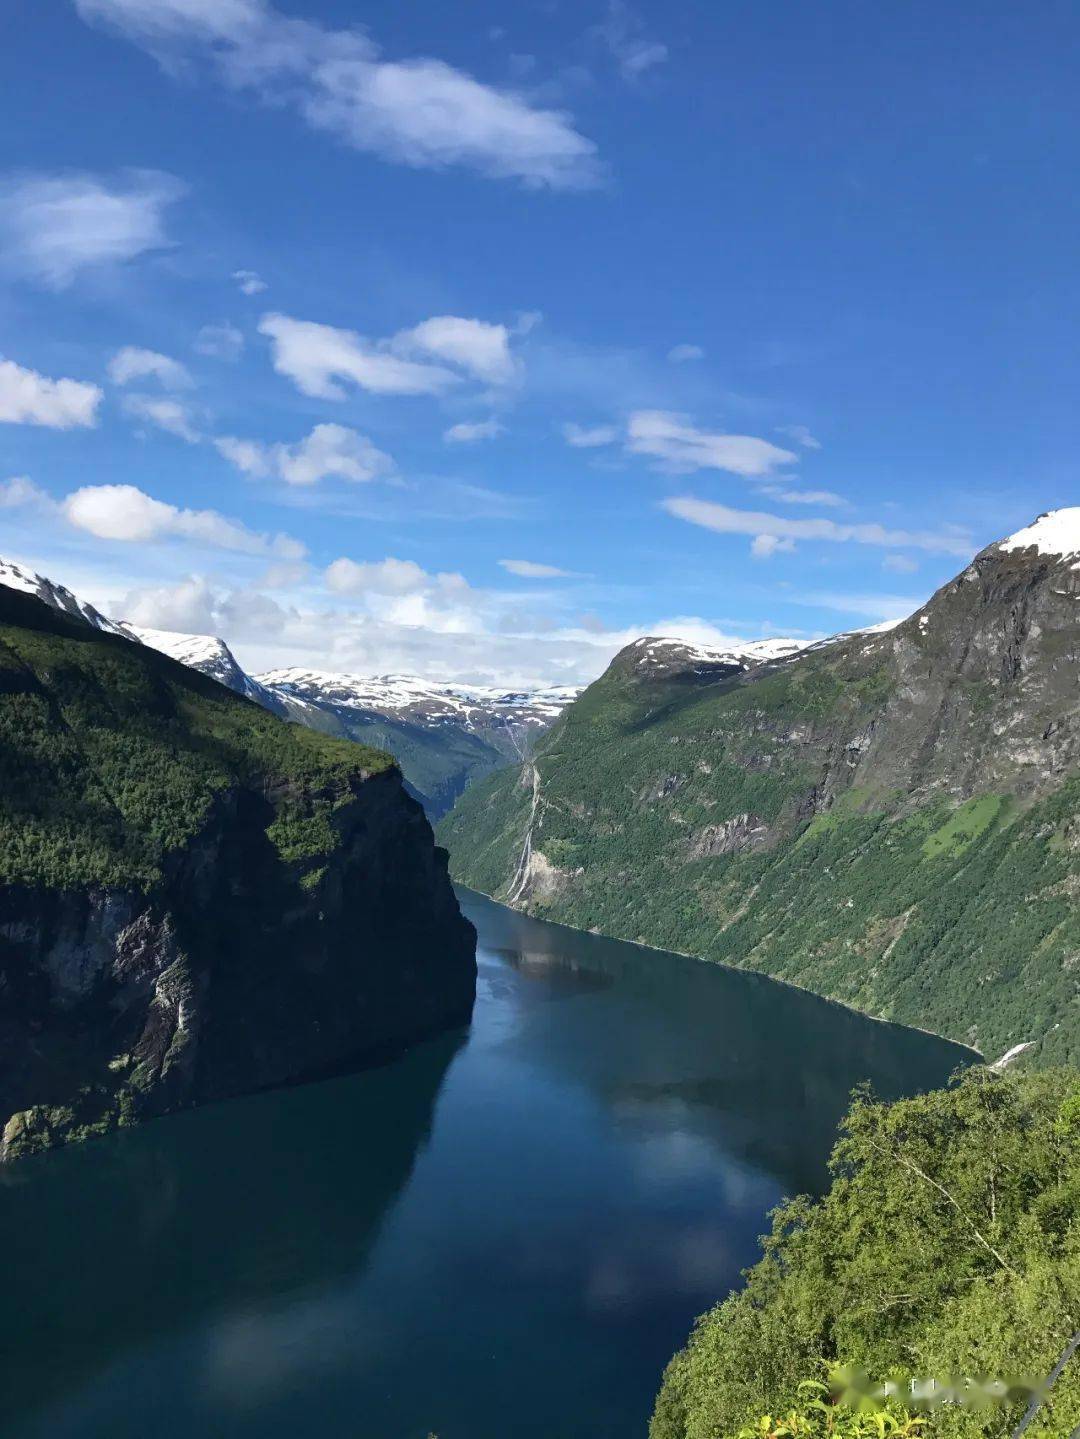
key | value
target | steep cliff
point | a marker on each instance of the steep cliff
(196, 899)
(892, 818)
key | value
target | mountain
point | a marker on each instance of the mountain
(442, 736)
(16, 577)
(891, 818)
(206, 653)
(196, 899)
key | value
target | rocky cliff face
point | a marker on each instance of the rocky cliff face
(290, 918)
(891, 818)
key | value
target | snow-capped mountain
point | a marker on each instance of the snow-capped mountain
(406, 697)
(213, 657)
(443, 735)
(16, 577)
(200, 652)
(660, 657)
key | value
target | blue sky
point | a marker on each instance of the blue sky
(475, 339)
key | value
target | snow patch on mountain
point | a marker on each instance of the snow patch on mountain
(1057, 532)
(654, 650)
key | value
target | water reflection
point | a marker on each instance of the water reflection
(504, 1232)
(695, 1054)
(216, 1211)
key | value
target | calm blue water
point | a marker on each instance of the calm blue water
(504, 1235)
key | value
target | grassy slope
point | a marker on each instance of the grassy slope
(958, 920)
(112, 755)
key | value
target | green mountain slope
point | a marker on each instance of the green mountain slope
(196, 898)
(892, 819)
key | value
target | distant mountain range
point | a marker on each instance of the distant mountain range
(890, 817)
(443, 736)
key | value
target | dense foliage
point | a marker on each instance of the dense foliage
(948, 1244)
(112, 757)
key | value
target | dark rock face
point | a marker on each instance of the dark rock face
(235, 976)
(740, 833)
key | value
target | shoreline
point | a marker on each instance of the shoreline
(980, 1057)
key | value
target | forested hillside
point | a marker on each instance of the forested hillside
(892, 819)
(948, 1245)
(197, 899)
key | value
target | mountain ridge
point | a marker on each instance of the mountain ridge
(443, 735)
(891, 817)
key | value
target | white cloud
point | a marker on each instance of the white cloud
(530, 570)
(250, 457)
(680, 447)
(249, 282)
(900, 564)
(194, 605)
(329, 450)
(481, 349)
(631, 49)
(466, 433)
(420, 112)
(133, 363)
(317, 357)
(401, 593)
(52, 227)
(20, 492)
(389, 576)
(220, 342)
(168, 415)
(803, 497)
(727, 521)
(588, 437)
(801, 435)
(27, 398)
(123, 512)
(763, 547)
(679, 354)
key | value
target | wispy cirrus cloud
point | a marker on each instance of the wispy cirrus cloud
(53, 227)
(468, 432)
(220, 342)
(249, 282)
(680, 354)
(133, 363)
(164, 414)
(678, 446)
(420, 112)
(589, 437)
(788, 496)
(30, 398)
(727, 521)
(533, 570)
(623, 35)
(801, 435)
